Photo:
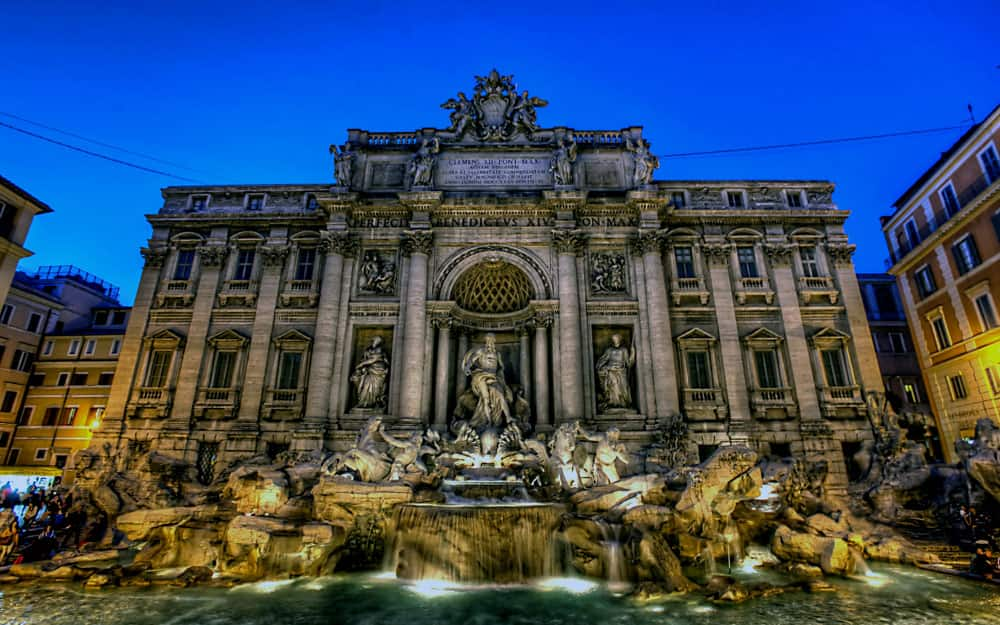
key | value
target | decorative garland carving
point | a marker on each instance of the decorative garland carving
(840, 253)
(569, 241)
(154, 257)
(212, 255)
(779, 253)
(417, 242)
(273, 255)
(717, 253)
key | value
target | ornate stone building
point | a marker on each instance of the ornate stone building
(495, 268)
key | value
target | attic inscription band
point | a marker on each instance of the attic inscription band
(493, 172)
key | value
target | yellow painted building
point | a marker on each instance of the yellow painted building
(68, 391)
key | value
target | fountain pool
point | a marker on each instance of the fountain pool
(897, 595)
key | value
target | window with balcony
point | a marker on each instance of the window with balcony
(305, 263)
(285, 398)
(956, 383)
(949, 200)
(223, 365)
(244, 264)
(834, 367)
(766, 365)
(699, 371)
(696, 356)
(184, 264)
(966, 254)
(924, 279)
(159, 368)
(289, 370)
(684, 259)
(747, 259)
(810, 264)
(991, 164)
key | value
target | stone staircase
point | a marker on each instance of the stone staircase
(934, 539)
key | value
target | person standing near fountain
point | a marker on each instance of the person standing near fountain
(484, 366)
(612, 370)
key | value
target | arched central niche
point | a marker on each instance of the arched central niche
(493, 287)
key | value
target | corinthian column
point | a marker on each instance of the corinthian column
(569, 244)
(335, 246)
(417, 245)
(442, 372)
(541, 370)
(658, 313)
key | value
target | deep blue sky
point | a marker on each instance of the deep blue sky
(250, 92)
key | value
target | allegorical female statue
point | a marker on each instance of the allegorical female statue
(421, 167)
(369, 376)
(613, 371)
(484, 367)
(563, 158)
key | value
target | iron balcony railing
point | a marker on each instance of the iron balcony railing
(965, 197)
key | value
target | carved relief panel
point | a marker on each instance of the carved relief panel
(377, 272)
(609, 273)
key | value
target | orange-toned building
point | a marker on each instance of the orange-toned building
(944, 241)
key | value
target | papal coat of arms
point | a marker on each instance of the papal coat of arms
(496, 112)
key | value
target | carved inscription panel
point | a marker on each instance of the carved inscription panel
(494, 171)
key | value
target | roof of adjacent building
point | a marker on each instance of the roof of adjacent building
(939, 163)
(42, 206)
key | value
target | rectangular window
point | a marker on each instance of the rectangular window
(41, 453)
(767, 368)
(912, 395)
(734, 199)
(885, 300)
(47, 351)
(118, 318)
(36, 379)
(810, 266)
(987, 315)
(74, 347)
(748, 262)
(834, 367)
(9, 398)
(34, 321)
(51, 415)
(255, 202)
(94, 416)
(912, 235)
(89, 349)
(684, 257)
(957, 385)
(941, 333)
(68, 416)
(311, 202)
(101, 318)
(966, 254)
(244, 265)
(116, 346)
(199, 202)
(949, 199)
(4, 439)
(22, 360)
(991, 377)
(991, 165)
(288, 370)
(6, 313)
(699, 370)
(305, 263)
(185, 263)
(24, 417)
(677, 199)
(62, 379)
(897, 343)
(159, 363)
(13, 456)
(106, 378)
(78, 379)
(222, 370)
(794, 199)
(925, 281)
(60, 461)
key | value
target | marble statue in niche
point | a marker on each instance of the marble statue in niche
(370, 375)
(613, 369)
(607, 274)
(484, 366)
(378, 273)
(421, 168)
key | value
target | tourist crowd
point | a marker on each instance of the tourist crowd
(980, 533)
(37, 523)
